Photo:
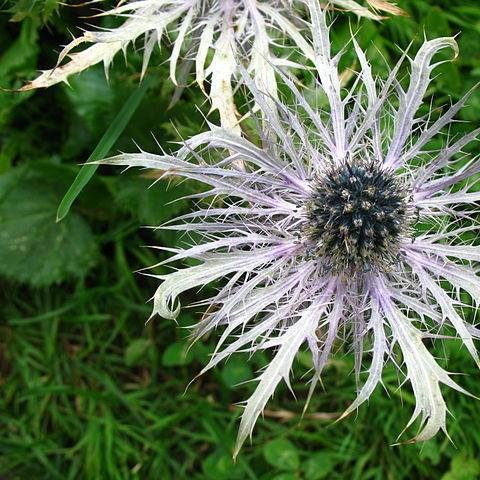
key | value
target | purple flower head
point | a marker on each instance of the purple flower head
(231, 30)
(316, 238)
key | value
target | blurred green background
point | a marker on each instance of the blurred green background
(87, 390)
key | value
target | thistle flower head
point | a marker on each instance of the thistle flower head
(357, 217)
(233, 30)
(316, 236)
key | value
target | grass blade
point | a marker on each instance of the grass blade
(104, 146)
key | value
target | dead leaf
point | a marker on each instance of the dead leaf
(386, 6)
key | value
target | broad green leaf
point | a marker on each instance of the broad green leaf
(286, 476)
(236, 371)
(281, 454)
(318, 466)
(430, 451)
(463, 468)
(93, 99)
(104, 146)
(33, 247)
(177, 354)
(220, 466)
(150, 202)
(136, 351)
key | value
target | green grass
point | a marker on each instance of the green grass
(88, 391)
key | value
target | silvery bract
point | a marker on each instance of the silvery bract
(231, 30)
(316, 236)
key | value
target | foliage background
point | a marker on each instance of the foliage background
(87, 390)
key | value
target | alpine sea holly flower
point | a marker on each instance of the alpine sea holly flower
(317, 235)
(232, 30)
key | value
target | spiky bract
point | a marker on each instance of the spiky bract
(232, 31)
